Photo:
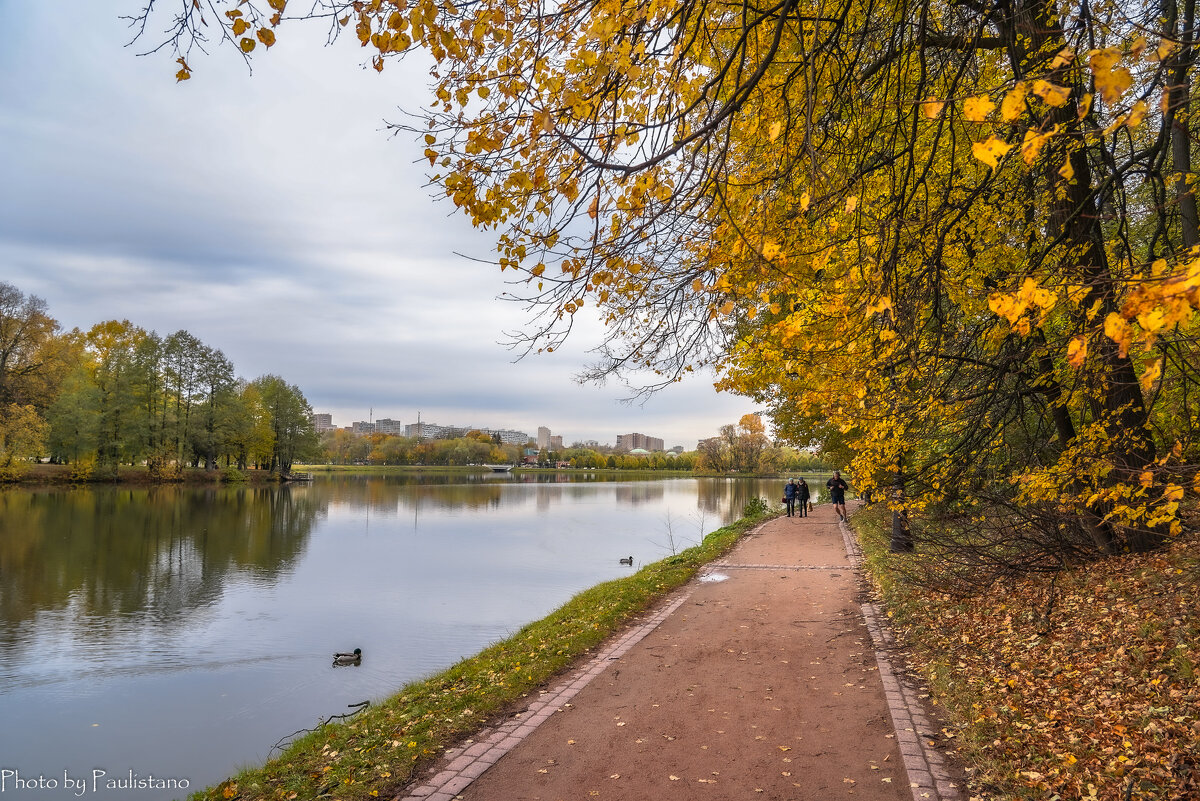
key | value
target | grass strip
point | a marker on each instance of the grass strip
(1085, 685)
(374, 754)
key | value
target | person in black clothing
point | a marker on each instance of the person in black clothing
(802, 496)
(837, 493)
(789, 497)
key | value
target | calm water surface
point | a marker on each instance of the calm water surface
(180, 633)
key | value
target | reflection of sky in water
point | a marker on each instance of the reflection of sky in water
(418, 576)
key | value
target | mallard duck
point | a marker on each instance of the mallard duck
(348, 659)
(627, 560)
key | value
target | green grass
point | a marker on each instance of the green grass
(375, 753)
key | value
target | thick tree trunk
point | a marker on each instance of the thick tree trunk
(1179, 98)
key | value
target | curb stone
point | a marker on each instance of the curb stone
(928, 774)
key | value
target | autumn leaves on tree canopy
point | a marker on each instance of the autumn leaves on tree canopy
(956, 240)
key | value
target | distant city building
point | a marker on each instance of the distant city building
(361, 428)
(678, 449)
(556, 443)
(322, 422)
(426, 431)
(385, 425)
(543, 440)
(507, 435)
(630, 442)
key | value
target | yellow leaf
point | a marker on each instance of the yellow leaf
(239, 26)
(883, 304)
(1051, 93)
(247, 44)
(932, 108)
(1117, 329)
(431, 155)
(1013, 103)
(775, 129)
(1085, 106)
(1146, 479)
(1077, 352)
(990, 151)
(1164, 49)
(977, 109)
(1151, 374)
(851, 204)
(804, 201)
(266, 36)
(1112, 81)
(1135, 49)
(1136, 114)
(1063, 58)
(1032, 145)
(1067, 171)
(430, 139)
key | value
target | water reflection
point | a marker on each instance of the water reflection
(188, 630)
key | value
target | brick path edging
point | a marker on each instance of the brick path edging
(928, 775)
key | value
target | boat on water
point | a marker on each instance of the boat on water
(500, 468)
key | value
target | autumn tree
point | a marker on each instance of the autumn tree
(23, 435)
(30, 352)
(958, 238)
(286, 414)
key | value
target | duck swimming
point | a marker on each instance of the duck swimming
(348, 659)
(627, 560)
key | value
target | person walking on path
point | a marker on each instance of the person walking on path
(802, 496)
(837, 493)
(789, 497)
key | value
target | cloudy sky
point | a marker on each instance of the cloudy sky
(272, 216)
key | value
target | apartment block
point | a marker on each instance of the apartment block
(628, 442)
(322, 422)
(388, 426)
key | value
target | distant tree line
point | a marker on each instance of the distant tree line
(741, 448)
(118, 394)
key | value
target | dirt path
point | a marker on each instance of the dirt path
(757, 680)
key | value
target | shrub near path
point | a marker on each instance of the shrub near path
(1083, 686)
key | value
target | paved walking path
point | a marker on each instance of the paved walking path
(766, 677)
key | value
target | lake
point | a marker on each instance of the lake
(178, 634)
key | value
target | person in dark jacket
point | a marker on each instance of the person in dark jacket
(802, 496)
(789, 497)
(837, 493)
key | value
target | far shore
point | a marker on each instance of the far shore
(69, 475)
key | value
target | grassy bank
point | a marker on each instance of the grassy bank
(375, 753)
(1083, 686)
